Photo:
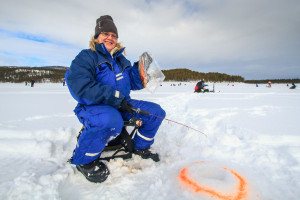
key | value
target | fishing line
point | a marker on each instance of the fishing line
(143, 112)
(180, 124)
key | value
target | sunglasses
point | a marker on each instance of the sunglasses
(113, 36)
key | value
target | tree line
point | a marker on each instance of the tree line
(52, 74)
(56, 74)
(274, 81)
(189, 75)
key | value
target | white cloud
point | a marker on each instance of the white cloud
(19, 50)
(203, 35)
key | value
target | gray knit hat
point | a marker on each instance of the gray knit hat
(105, 23)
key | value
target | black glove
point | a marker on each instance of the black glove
(126, 107)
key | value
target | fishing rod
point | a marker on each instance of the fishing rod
(143, 112)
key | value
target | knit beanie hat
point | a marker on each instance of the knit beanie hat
(105, 23)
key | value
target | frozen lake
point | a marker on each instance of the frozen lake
(253, 137)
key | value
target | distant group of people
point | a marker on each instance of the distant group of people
(33, 81)
(270, 84)
(201, 87)
(179, 84)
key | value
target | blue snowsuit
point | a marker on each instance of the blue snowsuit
(99, 82)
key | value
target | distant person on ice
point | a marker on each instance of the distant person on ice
(32, 83)
(100, 79)
(293, 86)
(201, 86)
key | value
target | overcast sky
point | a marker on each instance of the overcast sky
(256, 39)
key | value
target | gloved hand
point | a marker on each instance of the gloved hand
(126, 107)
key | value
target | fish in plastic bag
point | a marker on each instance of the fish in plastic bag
(150, 73)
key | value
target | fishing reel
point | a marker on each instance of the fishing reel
(134, 121)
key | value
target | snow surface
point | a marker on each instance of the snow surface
(253, 131)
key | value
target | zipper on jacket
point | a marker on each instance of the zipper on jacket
(110, 66)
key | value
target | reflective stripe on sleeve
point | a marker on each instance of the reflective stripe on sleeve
(117, 94)
(92, 154)
(145, 138)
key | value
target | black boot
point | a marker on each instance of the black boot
(95, 171)
(146, 153)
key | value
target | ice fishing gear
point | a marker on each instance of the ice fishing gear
(124, 141)
(143, 112)
(147, 113)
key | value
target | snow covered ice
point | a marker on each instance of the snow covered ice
(253, 131)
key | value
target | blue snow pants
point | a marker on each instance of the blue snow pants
(103, 123)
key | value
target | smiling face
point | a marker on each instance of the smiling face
(109, 39)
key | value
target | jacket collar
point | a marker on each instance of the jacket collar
(101, 48)
(117, 55)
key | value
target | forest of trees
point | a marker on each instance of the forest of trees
(56, 74)
(51, 74)
(274, 81)
(189, 75)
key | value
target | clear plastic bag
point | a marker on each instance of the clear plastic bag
(150, 72)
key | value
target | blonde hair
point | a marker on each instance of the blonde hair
(94, 41)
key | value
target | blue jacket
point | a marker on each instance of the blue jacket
(95, 77)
